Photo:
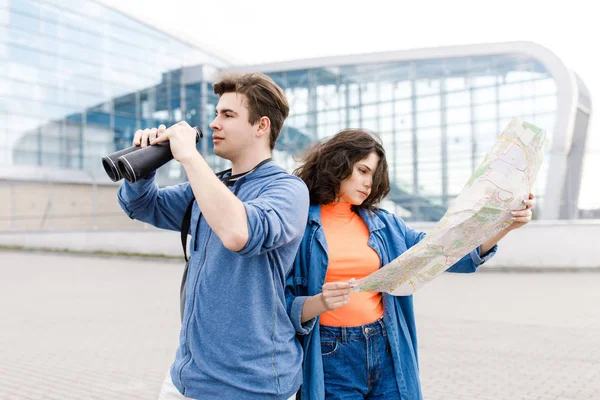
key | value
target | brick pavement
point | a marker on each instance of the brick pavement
(75, 327)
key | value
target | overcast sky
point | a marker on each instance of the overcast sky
(261, 31)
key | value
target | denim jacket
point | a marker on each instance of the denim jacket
(389, 236)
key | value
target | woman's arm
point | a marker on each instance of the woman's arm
(333, 295)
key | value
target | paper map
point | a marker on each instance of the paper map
(498, 186)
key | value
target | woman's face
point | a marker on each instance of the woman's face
(357, 187)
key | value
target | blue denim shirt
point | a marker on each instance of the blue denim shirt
(389, 236)
(236, 340)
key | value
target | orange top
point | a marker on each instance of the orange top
(349, 257)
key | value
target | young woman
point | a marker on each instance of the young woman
(357, 345)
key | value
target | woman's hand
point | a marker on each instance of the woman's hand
(335, 294)
(523, 217)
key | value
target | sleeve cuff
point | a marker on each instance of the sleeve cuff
(138, 187)
(251, 247)
(476, 256)
(296, 317)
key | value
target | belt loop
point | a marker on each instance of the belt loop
(344, 335)
(380, 320)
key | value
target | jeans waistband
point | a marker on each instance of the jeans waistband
(343, 333)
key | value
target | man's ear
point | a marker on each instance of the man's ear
(264, 126)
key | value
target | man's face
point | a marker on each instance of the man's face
(232, 133)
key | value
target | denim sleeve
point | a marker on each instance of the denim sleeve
(294, 304)
(472, 261)
(411, 235)
(163, 208)
(468, 263)
(295, 313)
(277, 216)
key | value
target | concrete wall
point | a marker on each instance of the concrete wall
(33, 206)
(34, 199)
(539, 245)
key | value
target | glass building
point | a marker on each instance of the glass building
(78, 79)
(440, 110)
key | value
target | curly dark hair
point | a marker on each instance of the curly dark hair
(332, 160)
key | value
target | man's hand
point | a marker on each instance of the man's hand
(181, 136)
(335, 294)
(143, 137)
(523, 217)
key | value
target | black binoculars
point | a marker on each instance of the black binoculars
(134, 163)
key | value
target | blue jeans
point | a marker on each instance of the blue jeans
(357, 363)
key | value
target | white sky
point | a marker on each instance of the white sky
(258, 31)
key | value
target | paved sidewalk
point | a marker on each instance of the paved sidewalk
(78, 327)
(498, 336)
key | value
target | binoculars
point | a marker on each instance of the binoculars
(134, 163)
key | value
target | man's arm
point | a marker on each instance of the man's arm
(162, 208)
(223, 211)
(277, 217)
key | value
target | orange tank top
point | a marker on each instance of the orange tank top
(350, 256)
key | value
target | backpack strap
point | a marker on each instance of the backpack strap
(185, 227)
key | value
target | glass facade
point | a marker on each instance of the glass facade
(437, 118)
(78, 79)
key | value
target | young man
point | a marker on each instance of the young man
(236, 340)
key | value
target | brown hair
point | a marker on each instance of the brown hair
(332, 161)
(264, 98)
